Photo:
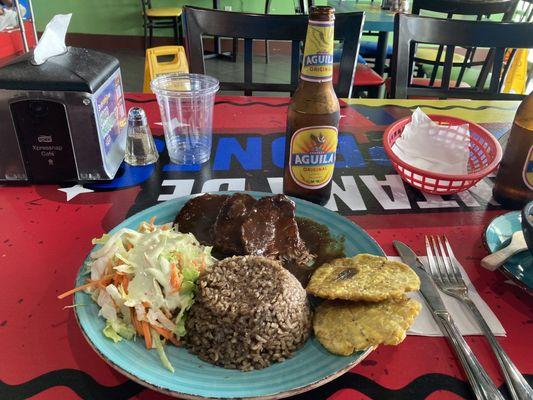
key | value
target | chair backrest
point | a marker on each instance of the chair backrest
(475, 8)
(200, 21)
(497, 36)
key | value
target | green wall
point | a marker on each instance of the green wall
(123, 17)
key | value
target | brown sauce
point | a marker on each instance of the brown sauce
(271, 231)
(321, 243)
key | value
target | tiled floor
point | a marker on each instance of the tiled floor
(277, 70)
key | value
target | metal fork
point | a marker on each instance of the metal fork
(443, 267)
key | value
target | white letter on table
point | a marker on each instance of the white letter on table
(276, 185)
(182, 187)
(213, 185)
(350, 195)
(399, 200)
(435, 201)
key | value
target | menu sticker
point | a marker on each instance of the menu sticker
(111, 112)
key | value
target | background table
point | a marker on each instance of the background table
(46, 231)
(376, 19)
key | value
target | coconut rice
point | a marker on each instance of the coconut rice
(249, 313)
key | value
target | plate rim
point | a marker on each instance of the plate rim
(182, 395)
(504, 270)
(178, 394)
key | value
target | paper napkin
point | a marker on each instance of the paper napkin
(429, 146)
(425, 325)
(52, 42)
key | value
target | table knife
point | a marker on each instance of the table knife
(481, 383)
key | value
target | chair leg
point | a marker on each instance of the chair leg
(151, 31)
(235, 49)
(145, 37)
(381, 55)
(420, 71)
(180, 32)
(373, 92)
(175, 28)
(267, 10)
(216, 45)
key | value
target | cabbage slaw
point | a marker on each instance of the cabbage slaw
(144, 281)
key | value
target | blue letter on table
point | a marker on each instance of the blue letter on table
(250, 158)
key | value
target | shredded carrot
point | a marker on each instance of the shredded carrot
(165, 228)
(125, 283)
(109, 267)
(136, 323)
(138, 327)
(147, 335)
(203, 263)
(117, 279)
(98, 282)
(129, 246)
(162, 331)
(152, 220)
(146, 304)
(174, 341)
(175, 279)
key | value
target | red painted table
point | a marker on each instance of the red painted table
(44, 238)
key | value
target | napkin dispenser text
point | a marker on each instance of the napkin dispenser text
(64, 120)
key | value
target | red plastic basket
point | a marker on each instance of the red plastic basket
(485, 155)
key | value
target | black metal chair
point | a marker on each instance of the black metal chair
(200, 21)
(473, 9)
(160, 18)
(496, 36)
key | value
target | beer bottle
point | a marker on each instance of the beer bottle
(313, 116)
(514, 182)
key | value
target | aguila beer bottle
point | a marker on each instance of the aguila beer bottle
(313, 116)
(514, 182)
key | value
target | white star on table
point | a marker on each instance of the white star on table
(75, 190)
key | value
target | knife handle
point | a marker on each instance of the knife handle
(482, 385)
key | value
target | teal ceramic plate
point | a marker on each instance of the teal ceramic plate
(497, 235)
(311, 366)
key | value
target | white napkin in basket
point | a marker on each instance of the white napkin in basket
(429, 146)
(425, 325)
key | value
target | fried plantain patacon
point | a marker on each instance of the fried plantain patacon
(363, 278)
(345, 327)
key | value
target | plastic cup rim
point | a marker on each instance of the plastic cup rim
(159, 91)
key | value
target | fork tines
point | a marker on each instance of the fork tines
(442, 264)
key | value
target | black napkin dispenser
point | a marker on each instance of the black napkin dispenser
(64, 120)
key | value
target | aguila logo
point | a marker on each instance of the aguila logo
(321, 58)
(317, 154)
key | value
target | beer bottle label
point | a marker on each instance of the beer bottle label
(318, 53)
(312, 156)
(528, 169)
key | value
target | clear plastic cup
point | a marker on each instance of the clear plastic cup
(186, 103)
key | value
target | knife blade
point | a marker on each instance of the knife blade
(428, 289)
